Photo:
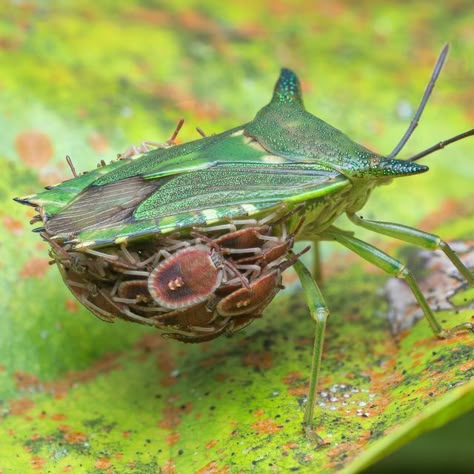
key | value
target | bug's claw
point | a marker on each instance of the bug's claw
(465, 327)
(314, 437)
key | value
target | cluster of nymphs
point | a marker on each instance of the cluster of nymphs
(196, 286)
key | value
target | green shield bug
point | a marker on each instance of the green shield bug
(111, 228)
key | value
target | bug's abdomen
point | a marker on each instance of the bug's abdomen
(321, 212)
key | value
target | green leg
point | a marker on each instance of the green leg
(415, 237)
(317, 263)
(395, 268)
(319, 313)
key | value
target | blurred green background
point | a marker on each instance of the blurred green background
(87, 79)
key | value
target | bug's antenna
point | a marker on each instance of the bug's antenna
(429, 88)
(71, 166)
(441, 145)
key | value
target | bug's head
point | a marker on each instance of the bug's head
(384, 169)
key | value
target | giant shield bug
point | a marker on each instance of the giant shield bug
(110, 227)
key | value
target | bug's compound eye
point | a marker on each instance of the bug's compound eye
(253, 299)
(184, 279)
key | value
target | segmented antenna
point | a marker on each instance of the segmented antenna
(441, 145)
(429, 88)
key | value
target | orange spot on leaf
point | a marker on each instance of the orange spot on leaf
(259, 360)
(292, 378)
(25, 381)
(172, 415)
(58, 417)
(212, 468)
(169, 467)
(20, 406)
(37, 462)
(12, 225)
(103, 463)
(345, 451)
(166, 364)
(267, 426)
(71, 305)
(211, 444)
(148, 15)
(60, 387)
(34, 148)
(469, 365)
(35, 267)
(172, 438)
(75, 437)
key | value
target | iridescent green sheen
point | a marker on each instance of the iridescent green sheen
(284, 156)
(288, 88)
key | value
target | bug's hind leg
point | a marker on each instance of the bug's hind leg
(319, 313)
(416, 237)
(393, 267)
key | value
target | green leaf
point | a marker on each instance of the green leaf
(82, 395)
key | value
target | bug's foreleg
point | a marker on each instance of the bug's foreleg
(416, 237)
(393, 267)
(317, 263)
(319, 313)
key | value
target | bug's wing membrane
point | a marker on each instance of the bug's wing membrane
(217, 194)
(55, 197)
(101, 207)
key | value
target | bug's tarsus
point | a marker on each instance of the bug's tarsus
(429, 89)
(441, 145)
(71, 166)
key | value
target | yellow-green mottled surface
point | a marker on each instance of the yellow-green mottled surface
(89, 78)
